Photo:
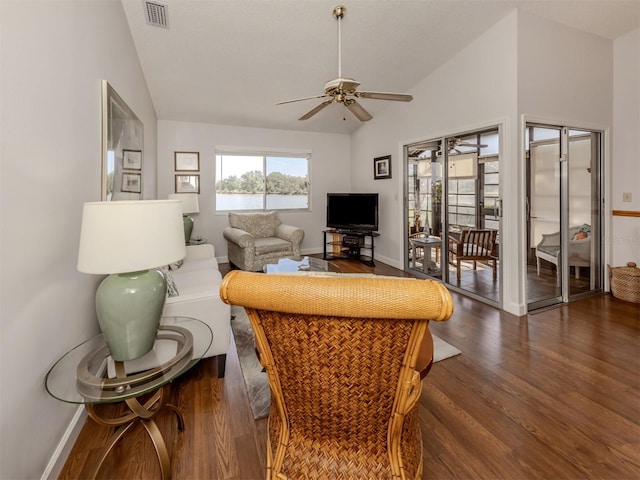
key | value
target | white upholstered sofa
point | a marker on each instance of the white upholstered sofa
(197, 281)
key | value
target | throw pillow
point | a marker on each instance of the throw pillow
(172, 291)
(586, 228)
(582, 233)
(176, 265)
(259, 225)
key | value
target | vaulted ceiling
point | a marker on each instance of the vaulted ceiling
(229, 61)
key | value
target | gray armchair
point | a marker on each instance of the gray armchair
(255, 239)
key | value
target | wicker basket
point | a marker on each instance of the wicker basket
(625, 282)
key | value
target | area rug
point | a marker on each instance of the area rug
(255, 379)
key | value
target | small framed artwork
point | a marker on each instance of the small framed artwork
(382, 167)
(187, 183)
(187, 161)
(131, 182)
(132, 159)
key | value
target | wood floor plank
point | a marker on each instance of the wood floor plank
(551, 395)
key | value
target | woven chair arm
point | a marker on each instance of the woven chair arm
(361, 297)
(415, 389)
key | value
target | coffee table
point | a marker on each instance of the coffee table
(306, 264)
(87, 375)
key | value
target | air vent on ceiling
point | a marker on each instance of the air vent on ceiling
(156, 14)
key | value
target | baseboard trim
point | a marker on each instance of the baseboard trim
(66, 443)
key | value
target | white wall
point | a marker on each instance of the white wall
(54, 55)
(625, 233)
(476, 88)
(522, 66)
(563, 73)
(329, 172)
(566, 77)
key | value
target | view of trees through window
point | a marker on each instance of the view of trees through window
(261, 182)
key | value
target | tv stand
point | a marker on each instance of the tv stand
(351, 245)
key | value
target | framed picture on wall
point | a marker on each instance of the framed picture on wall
(131, 182)
(132, 159)
(187, 183)
(382, 167)
(120, 127)
(187, 161)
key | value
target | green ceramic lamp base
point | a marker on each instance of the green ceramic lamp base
(188, 227)
(129, 306)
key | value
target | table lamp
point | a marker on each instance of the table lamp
(189, 205)
(129, 240)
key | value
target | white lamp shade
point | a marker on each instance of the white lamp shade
(130, 236)
(189, 201)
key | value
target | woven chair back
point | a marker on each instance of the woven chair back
(340, 354)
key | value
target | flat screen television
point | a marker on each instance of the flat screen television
(352, 212)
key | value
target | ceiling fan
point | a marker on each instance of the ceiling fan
(429, 149)
(344, 90)
(453, 143)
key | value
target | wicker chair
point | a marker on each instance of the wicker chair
(340, 354)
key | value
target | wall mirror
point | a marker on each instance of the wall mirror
(122, 148)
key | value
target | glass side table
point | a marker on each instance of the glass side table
(87, 375)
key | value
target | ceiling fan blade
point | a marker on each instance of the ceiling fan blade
(428, 145)
(315, 110)
(357, 109)
(397, 97)
(475, 145)
(301, 99)
(424, 150)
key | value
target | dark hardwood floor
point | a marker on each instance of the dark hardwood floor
(553, 395)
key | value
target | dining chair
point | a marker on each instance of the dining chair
(476, 246)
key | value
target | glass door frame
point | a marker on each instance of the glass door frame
(444, 271)
(564, 140)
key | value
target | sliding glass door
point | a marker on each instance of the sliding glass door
(564, 214)
(453, 211)
(424, 187)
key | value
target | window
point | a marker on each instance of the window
(249, 181)
(462, 203)
(463, 165)
(490, 188)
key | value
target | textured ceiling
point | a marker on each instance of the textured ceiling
(229, 61)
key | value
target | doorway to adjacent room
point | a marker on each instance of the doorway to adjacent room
(564, 203)
(453, 211)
